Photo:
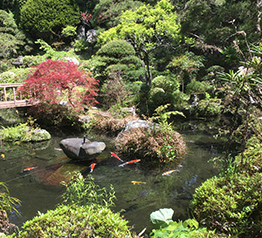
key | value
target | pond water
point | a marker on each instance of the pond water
(39, 188)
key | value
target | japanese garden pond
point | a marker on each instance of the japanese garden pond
(39, 188)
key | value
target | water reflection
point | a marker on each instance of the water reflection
(39, 189)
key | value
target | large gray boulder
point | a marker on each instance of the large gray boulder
(149, 126)
(81, 148)
(140, 124)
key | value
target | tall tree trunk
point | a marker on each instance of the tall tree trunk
(148, 74)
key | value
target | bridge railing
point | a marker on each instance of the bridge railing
(9, 97)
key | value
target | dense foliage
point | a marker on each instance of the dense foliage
(12, 39)
(201, 58)
(49, 16)
(147, 29)
(231, 203)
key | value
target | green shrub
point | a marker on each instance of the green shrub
(116, 49)
(23, 132)
(31, 60)
(167, 84)
(84, 212)
(196, 87)
(208, 108)
(250, 161)
(49, 16)
(76, 221)
(231, 204)
(159, 97)
(17, 75)
(12, 40)
(120, 61)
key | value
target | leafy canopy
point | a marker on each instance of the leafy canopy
(54, 81)
(147, 27)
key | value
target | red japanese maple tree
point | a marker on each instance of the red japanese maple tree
(56, 81)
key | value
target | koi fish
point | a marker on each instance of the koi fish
(170, 172)
(92, 166)
(3, 156)
(30, 168)
(138, 182)
(115, 155)
(129, 162)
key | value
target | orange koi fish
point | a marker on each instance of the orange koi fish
(30, 168)
(129, 162)
(138, 182)
(115, 155)
(170, 172)
(3, 156)
(92, 166)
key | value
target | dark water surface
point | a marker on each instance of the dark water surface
(39, 188)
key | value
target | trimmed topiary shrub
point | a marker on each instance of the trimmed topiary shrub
(158, 97)
(208, 108)
(76, 221)
(196, 87)
(48, 16)
(120, 61)
(167, 84)
(84, 212)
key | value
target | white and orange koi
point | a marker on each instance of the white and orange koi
(129, 162)
(30, 168)
(170, 172)
(92, 166)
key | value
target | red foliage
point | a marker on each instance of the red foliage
(56, 81)
(85, 17)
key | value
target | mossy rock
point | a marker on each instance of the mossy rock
(37, 135)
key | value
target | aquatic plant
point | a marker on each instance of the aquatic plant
(7, 203)
(166, 227)
(83, 191)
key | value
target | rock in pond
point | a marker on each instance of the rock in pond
(81, 148)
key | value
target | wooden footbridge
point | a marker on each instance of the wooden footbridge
(9, 97)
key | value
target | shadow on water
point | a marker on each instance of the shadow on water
(39, 188)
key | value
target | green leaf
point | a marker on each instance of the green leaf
(162, 217)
